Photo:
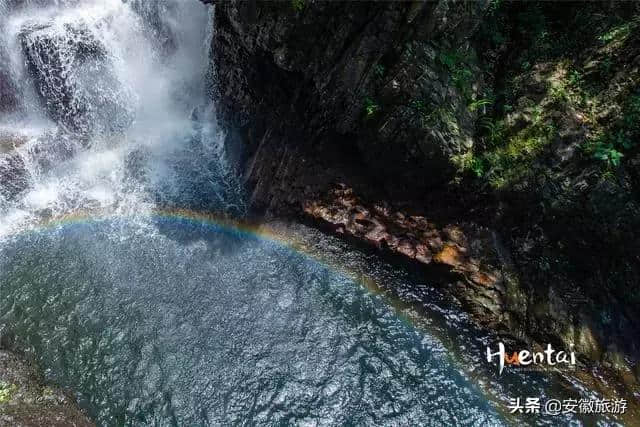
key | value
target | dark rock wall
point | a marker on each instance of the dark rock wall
(456, 112)
(370, 78)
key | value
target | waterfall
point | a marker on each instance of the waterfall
(104, 107)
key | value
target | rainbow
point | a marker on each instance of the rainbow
(278, 235)
(211, 220)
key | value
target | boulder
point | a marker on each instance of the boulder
(74, 78)
(8, 90)
(13, 175)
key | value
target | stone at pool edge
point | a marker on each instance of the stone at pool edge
(28, 401)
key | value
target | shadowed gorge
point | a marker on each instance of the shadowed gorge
(496, 139)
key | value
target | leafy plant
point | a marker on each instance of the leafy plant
(461, 74)
(609, 146)
(494, 131)
(7, 391)
(370, 107)
(575, 78)
(537, 114)
(469, 162)
(509, 158)
(478, 103)
(559, 93)
(616, 33)
(608, 154)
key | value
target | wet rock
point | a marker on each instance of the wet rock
(13, 176)
(151, 12)
(27, 401)
(483, 281)
(8, 89)
(22, 155)
(73, 75)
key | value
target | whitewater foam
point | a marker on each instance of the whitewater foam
(126, 142)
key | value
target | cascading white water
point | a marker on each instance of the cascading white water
(106, 109)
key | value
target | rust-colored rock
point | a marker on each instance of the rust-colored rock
(450, 255)
(465, 249)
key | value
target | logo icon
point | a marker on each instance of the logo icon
(548, 356)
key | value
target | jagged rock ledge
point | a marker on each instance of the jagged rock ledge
(482, 273)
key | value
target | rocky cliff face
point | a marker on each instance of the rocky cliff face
(460, 134)
(371, 79)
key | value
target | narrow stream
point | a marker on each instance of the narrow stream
(117, 278)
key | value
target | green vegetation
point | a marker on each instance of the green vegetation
(7, 391)
(510, 159)
(479, 103)
(370, 107)
(559, 92)
(610, 146)
(456, 62)
(575, 79)
(606, 151)
(516, 137)
(298, 5)
(616, 33)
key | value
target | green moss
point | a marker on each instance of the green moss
(7, 391)
(508, 159)
(298, 5)
(512, 163)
